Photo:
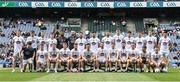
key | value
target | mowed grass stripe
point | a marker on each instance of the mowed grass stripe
(94, 77)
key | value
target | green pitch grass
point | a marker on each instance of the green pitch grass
(172, 75)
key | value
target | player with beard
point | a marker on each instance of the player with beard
(107, 39)
(60, 39)
(51, 40)
(94, 41)
(19, 42)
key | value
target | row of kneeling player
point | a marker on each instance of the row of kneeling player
(107, 60)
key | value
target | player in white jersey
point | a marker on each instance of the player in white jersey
(139, 41)
(43, 40)
(41, 58)
(112, 56)
(129, 40)
(34, 40)
(75, 55)
(81, 42)
(65, 56)
(89, 57)
(118, 38)
(18, 44)
(157, 60)
(102, 57)
(165, 43)
(134, 56)
(51, 40)
(107, 41)
(150, 41)
(53, 57)
(123, 61)
(94, 41)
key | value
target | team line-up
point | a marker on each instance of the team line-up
(117, 53)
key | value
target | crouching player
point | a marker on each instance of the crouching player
(53, 57)
(28, 54)
(88, 57)
(123, 61)
(113, 53)
(133, 56)
(75, 56)
(157, 60)
(102, 57)
(65, 57)
(41, 58)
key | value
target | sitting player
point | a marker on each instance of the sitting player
(53, 57)
(41, 58)
(88, 56)
(102, 57)
(133, 56)
(113, 53)
(75, 55)
(123, 58)
(157, 60)
(143, 64)
(28, 54)
(65, 57)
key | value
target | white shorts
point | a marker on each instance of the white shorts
(27, 61)
(123, 59)
(41, 61)
(17, 52)
(101, 59)
(113, 59)
(165, 53)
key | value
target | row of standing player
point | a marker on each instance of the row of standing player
(149, 41)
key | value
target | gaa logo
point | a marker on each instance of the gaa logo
(137, 4)
(86, 4)
(72, 4)
(105, 4)
(154, 4)
(171, 4)
(23, 4)
(56, 4)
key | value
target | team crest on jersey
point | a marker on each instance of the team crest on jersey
(139, 43)
(88, 56)
(41, 56)
(107, 42)
(81, 44)
(129, 42)
(33, 41)
(118, 40)
(93, 43)
(150, 42)
(165, 43)
(18, 42)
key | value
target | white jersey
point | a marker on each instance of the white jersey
(18, 43)
(150, 43)
(94, 44)
(42, 55)
(164, 43)
(65, 53)
(75, 54)
(34, 41)
(107, 42)
(102, 52)
(128, 42)
(50, 42)
(139, 42)
(43, 41)
(134, 53)
(81, 44)
(156, 56)
(113, 53)
(118, 40)
(53, 53)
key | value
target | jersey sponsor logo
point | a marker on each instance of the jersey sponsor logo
(81, 44)
(42, 56)
(139, 43)
(150, 42)
(118, 40)
(18, 42)
(128, 42)
(164, 43)
(93, 43)
(107, 42)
